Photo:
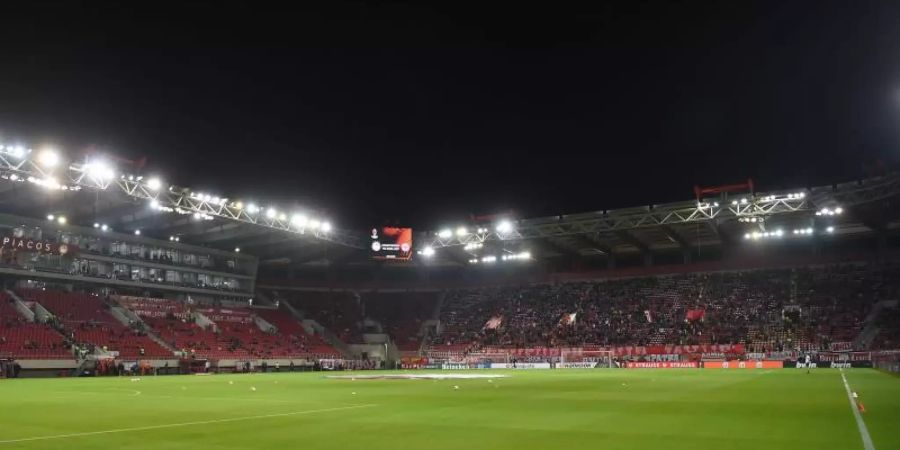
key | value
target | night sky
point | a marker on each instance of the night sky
(422, 115)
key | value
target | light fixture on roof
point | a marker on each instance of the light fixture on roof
(428, 251)
(48, 158)
(104, 227)
(100, 170)
(830, 229)
(252, 209)
(50, 217)
(154, 184)
(504, 226)
(137, 232)
(299, 220)
(237, 249)
(461, 231)
(326, 226)
(445, 233)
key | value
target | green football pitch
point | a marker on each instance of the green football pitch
(565, 409)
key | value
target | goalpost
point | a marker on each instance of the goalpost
(483, 360)
(586, 359)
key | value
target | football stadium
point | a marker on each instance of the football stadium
(646, 225)
(159, 317)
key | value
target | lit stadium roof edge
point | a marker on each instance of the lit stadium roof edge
(148, 202)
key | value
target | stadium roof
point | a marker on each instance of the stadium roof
(95, 193)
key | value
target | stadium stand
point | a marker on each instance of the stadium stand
(86, 319)
(25, 340)
(303, 343)
(340, 312)
(768, 310)
(237, 336)
(402, 315)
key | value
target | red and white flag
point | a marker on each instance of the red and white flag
(493, 323)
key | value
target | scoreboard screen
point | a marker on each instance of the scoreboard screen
(391, 243)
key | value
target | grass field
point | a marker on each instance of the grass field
(571, 409)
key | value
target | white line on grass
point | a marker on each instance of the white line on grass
(182, 424)
(863, 431)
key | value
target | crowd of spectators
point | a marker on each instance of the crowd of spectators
(768, 310)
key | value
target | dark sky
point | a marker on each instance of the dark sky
(423, 114)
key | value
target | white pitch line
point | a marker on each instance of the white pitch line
(863, 431)
(182, 424)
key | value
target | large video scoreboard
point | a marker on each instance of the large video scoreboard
(391, 243)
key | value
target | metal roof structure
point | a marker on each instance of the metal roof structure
(91, 192)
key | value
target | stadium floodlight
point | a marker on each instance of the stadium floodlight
(154, 184)
(461, 232)
(61, 220)
(504, 226)
(237, 249)
(172, 238)
(104, 227)
(734, 202)
(271, 213)
(137, 232)
(445, 233)
(96, 225)
(830, 229)
(744, 201)
(428, 251)
(48, 158)
(838, 210)
(252, 208)
(299, 220)
(100, 170)
(50, 217)
(177, 238)
(326, 227)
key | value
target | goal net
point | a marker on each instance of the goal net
(586, 359)
(485, 359)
